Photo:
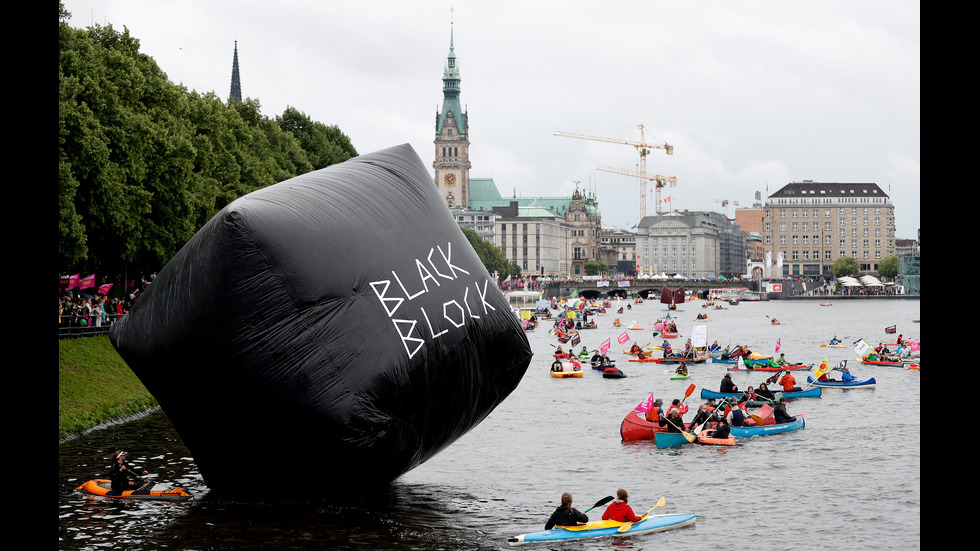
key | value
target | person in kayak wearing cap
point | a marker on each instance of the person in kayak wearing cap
(120, 473)
(673, 421)
(656, 411)
(565, 514)
(619, 510)
(782, 416)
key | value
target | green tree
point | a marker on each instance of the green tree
(845, 266)
(492, 257)
(888, 267)
(324, 145)
(596, 268)
(143, 163)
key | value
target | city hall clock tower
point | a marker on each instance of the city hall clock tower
(452, 154)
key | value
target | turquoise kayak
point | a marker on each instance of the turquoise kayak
(605, 528)
(763, 430)
(670, 439)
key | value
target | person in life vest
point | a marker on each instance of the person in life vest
(619, 510)
(656, 411)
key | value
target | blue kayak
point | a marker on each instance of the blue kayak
(841, 384)
(763, 430)
(604, 528)
(809, 393)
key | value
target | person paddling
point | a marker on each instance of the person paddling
(565, 514)
(619, 510)
(120, 473)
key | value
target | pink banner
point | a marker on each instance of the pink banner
(625, 337)
(777, 345)
(104, 289)
(72, 281)
(604, 347)
(86, 282)
(645, 405)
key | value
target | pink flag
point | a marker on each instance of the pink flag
(625, 337)
(604, 347)
(72, 281)
(777, 345)
(104, 289)
(914, 345)
(645, 405)
(86, 282)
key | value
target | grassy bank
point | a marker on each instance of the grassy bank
(95, 386)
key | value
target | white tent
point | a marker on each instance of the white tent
(871, 281)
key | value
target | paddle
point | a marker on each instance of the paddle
(626, 527)
(600, 503)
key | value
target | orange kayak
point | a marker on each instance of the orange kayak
(150, 490)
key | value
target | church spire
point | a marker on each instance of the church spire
(236, 84)
(450, 89)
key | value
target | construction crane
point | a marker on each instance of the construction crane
(724, 205)
(643, 148)
(661, 182)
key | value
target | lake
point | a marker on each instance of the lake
(848, 480)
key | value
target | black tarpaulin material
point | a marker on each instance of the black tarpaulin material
(331, 331)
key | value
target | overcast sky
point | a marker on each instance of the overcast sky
(752, 94)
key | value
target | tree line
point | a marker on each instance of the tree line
(143, 163)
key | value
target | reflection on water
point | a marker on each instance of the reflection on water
(554, 435)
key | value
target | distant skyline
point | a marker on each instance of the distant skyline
(753, 94)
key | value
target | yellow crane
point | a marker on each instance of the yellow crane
(644, 149)
(661, 182)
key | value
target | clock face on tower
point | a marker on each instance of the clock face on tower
(449, 179)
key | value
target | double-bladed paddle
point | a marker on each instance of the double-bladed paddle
(600, 503)
(625, 528)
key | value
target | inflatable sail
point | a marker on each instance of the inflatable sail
(338, 322)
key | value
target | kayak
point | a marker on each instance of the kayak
(148, 491)
(679, 376)
(747, 431)
(789, 367)
(670, 439)
(635, 427)
(706, 438)
(647, 359)
(878, 362)
(612, 373)
(567, 374)
(604, 528)
(809, 393)
(694, 360)
(833, 345)
(865, 383)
